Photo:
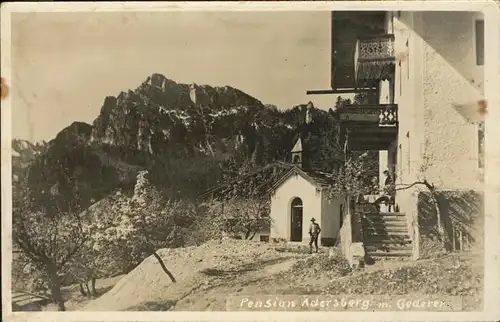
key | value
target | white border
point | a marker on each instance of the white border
(492, 156)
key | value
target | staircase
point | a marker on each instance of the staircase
(385, 234)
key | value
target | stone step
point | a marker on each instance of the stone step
(389, 254)
(386, 233)
(385, 230)
(383, 219)
(384, 227)
(370, 248)
(388, 248)
(385, 214)
(387, 239)
(378, 218)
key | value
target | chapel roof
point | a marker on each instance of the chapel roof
(298, 146)
(221, 189)
(318, 178)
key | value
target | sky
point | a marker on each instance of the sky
(65, 64)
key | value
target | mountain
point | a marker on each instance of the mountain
(164, 117)
(70, 173)
(23, 152)
(185, 135)
(161, 115)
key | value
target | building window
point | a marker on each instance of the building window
(392, 92)
(400, 163)
(408, 58)
(480, 144)
(400, 79)
(264, 238)
(408, 155)
(341, 215)
(479, 32)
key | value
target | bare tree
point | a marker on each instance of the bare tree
(241, 205)
(237, 217)
(143, 224)
(430, 187)
(352, 181)
(49, 239)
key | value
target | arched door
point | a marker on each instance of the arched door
(296, 222)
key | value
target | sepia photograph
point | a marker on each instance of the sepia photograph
(246, 160)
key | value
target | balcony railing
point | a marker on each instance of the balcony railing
(385, 115)
(374, 57)
(378, 47)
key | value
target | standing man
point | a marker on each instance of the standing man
(314, 231)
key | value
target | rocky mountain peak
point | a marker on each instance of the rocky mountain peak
(162, 124)
(77, 131)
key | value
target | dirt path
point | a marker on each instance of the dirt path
(205, 275)
(209, 288)
(259, 278)
(209, 274)
(212, 294)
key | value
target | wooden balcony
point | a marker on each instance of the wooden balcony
(384, 115)
(374, 58)
(368, 127)
(347, 27)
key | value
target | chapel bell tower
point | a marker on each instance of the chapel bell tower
(297, 153)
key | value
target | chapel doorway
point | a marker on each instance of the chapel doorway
(296, 222)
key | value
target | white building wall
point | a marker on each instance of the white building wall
(330, 216)
(385, 97)
(404, 94)
(408, 76)
(281, 200)
(436, 71)
(451, 77)
(315, 204)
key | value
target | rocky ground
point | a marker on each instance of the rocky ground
(208, 274)
(459, 275)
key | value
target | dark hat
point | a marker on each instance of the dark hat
(312, 219)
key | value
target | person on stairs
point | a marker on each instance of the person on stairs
(390, 189)
(314, 231)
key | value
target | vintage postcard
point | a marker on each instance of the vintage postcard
(250, 161)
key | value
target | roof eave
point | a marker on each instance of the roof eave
(302, 173)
